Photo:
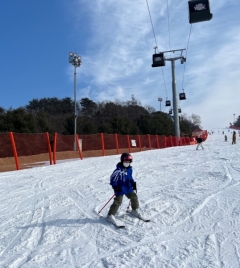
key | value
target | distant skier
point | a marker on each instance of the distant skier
(199, 142)
(234, 137)
(225, 137)
(123, 184)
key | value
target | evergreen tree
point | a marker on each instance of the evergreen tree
(18, 120)
(194, 121)
(57, 115)
(2, 120)
(88, 107)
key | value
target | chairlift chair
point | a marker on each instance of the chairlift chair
(199, 10)
(179, 110)
(170, 111)
(158, 60)
(182, 96)
(168, 103)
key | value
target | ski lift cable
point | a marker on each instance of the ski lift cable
(169, 35)
(186, 55)
(152, 24)
(156, 42)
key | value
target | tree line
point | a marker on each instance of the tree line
(57, 115)
(236, 123)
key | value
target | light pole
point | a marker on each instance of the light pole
(160, 100)
(234, 117)
(76, 61)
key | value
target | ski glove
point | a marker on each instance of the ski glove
(134, 186)
(117, 189)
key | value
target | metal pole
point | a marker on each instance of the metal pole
(75, 109)
(75, 60)
(160, 100)
(175, 102)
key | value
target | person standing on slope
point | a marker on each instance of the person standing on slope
(199, 142)
(123, 183)
(234, 137)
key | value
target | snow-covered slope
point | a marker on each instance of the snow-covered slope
(48, 215)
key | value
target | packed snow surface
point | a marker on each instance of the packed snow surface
(48, 215)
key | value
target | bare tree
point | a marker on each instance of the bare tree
(194, 121)
(150, 109)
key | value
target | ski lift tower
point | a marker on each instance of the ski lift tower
(159, 61)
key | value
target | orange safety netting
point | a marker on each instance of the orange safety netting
(144, 142)
(70, 146)
(64, 142)
(5, 146)
(123, 143)
(169, 141)
(135, 143)
(91, 142)
(162, 141)
(153, 142)
(30, 144)
(111, 145)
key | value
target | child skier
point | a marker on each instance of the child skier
(123, 184)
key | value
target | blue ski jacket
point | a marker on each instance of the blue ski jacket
(122, 178)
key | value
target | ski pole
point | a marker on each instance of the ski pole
(106, 204)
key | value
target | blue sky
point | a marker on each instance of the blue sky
(115, 41)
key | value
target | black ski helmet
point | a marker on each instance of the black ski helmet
(126, 157)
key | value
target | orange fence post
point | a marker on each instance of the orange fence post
(54, 147)
(129, 147)
(116, 139)
(49, 148)
(102, 142)
(78, 145)
(139, 141)
(14, 150)
(157, 141)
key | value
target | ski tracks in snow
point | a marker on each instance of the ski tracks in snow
(23, 237)
(193, 204)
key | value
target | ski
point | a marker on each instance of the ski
(140, 218)
(117, 223)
